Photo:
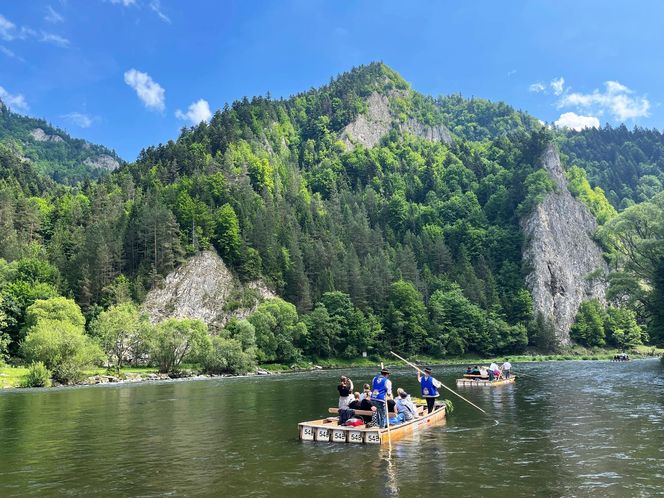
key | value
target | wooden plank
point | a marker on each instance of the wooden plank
(367, 413)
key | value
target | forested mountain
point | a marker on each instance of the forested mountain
(388, 218)
(627, 164)
(52, 151)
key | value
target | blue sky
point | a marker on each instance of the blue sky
(131, 73)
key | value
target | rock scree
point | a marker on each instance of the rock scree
(561, 253)
(204, 288)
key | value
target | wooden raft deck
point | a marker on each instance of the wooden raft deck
(474, 381)
(329, 430)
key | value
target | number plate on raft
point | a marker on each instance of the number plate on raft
(372, 438)
(339, 436)
(307, 433)
(322, 434)
(355, 437)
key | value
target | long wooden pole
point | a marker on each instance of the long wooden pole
(387, 415)
(450, 390)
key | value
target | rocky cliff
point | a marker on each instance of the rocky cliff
(204, 288)
(369, 127)
(561, 253)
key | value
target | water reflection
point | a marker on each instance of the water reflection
(564, 429)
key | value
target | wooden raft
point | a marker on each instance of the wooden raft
(329, 430)
(475, 381)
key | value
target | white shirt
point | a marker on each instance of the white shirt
(507, 365)
(484, 372)
(493, 367)
(388, 386)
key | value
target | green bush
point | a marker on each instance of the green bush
(38, 376)
(62, 347)
(176, 340)
(226, 356)
(588, 329)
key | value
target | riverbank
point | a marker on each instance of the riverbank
(13, 376)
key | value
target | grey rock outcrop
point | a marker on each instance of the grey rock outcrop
(561, 253)
(370, 127)
(204, 288)
(41, 136)
(104, 161)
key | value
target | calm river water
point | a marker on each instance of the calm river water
(564, 429)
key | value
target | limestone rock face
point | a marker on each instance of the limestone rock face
(104, 161)
(41, 136)
(204, 288)
(370, 127)
(561, 253)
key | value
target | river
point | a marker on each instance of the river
(563, 429)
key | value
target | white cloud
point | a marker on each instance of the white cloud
(9, 32)
(52, 16)
(15, 102)
(8, 52)
(197, 112)
(576, 122)
(7, 29)
(616, 99)
(557, 85)
(125, 3)
(537, 87)
(80, 119)
(54, 39)
(155, 5)
(149, 91)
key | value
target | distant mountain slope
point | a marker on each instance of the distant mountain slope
(52, 151)
(627, 164)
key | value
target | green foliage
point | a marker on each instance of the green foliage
(228, 234)
(62, 347)
(588, 329)
(594, 199)
(55, 308)
(227, 356)
(656, 326)
(622, 329)
(4, 345)
(537, 184)
(405, 320)
(123, 333)
(542, 334)
(635, 241)
(177, 340)
(278, 331)
(60, 156)
(360, 241)
(38, 376)
(626, 164)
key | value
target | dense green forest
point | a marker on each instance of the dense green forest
(411, 245)
(53, 152)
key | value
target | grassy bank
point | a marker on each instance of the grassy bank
(13, 376)
(574, 353)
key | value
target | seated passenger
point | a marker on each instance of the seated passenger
(484, 373)
(404, 406)
(356, 403)
(469, 370)
(476, 370)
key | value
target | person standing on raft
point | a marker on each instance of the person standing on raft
(381, 389)
(429, 387)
